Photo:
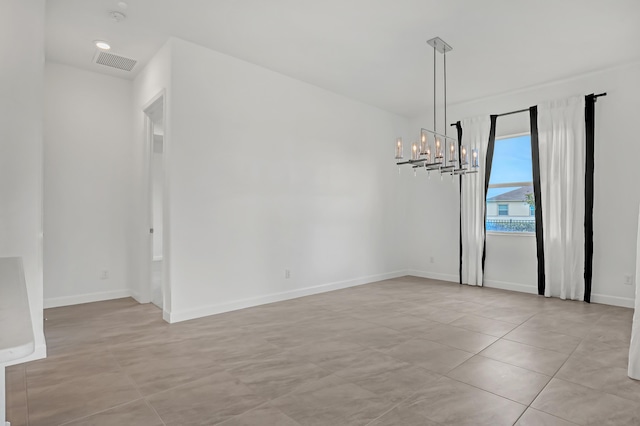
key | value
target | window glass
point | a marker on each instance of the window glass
(510, 202)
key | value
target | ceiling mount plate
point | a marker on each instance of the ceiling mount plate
(440, 45)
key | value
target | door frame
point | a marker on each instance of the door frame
(148, 170)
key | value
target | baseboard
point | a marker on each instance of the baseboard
(625, 302)
(173, 317)
(136, 296)
(55, 302)
(503, 285)
(40, 352)
(522, 288)
(433, 275)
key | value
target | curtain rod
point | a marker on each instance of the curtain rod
(527, 109)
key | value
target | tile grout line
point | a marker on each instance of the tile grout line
(395, 406)
(524, 368)
(545, 386)
(66, 422)
(148, 404)
(123, 371)
(377, 350)
(129, 379)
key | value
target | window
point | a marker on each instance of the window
(510, 204)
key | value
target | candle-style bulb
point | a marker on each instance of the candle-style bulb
(438, 151)
(414, 151)
(399, 153)
(423, 143)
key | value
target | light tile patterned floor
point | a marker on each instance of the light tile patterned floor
(408, 351)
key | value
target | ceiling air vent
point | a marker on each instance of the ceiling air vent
(114, 61)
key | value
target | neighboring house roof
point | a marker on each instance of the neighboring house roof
(515, 195)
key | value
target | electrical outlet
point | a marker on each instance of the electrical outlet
(104, 274)
(287, 273)
(628, 279)
(432, 259)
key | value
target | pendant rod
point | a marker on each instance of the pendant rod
(435, 123)
(444, 55)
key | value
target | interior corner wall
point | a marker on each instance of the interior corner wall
(153, 80)
(511, 261)
(21, 89)
(267, 174)
(87, 164)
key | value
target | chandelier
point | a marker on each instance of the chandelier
(434, 151)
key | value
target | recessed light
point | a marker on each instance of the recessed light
(102, 45)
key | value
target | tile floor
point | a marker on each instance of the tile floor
(408, 351)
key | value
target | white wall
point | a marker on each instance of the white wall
(21, 88)
(511, 260)
(87, 146)
(268, 173)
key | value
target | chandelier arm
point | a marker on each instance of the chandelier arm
(422, 129)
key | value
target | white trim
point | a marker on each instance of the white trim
(434, 275)
(521, 288)
(166, 316)
(136, 296)
(40, 352)
(513, 135)
(173, 317)
(509, 185)
(625, 302)
(148, 256)
(511, 234)
(55, 302)
(503, 285)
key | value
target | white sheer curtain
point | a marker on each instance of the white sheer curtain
(561, 133)
(475, 134)
(634, 349)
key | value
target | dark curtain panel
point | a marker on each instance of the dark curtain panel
(535, 159)
(459, 129)
(487, 175)
(590, 120)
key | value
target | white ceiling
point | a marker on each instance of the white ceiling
(370, 50)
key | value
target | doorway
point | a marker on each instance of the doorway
(156, 143)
